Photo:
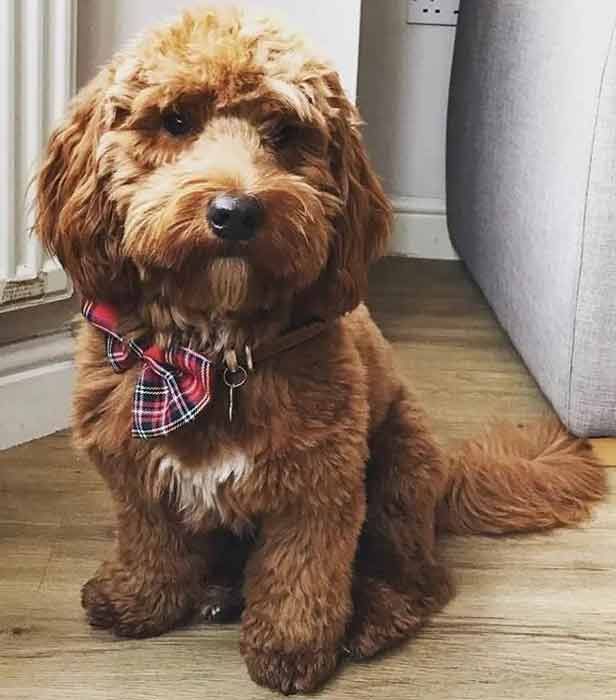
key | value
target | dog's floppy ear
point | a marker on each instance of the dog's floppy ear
(74, 217)
(363, 227)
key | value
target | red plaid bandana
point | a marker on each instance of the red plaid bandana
(174, 385)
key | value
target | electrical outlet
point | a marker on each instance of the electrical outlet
(443, 12)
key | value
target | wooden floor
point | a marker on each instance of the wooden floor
(534, 618)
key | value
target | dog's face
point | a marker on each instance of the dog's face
(218, 164)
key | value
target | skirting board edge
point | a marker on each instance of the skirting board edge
(36, 384)
(420, 229)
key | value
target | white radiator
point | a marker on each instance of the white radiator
(37, 69)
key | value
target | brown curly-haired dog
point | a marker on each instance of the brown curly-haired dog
(211, 186)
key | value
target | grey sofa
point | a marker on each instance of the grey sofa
(531, 188)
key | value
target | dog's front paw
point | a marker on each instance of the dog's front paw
(130, 604)
(289, 673)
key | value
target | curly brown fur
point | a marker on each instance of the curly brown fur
(514, 480)
(316, 508)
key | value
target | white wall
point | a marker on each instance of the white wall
(402, 93)
(332, 26)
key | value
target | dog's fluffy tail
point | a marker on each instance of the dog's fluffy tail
(517, 480)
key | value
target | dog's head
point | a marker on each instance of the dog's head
(220, 163)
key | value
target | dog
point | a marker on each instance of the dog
(210, 195)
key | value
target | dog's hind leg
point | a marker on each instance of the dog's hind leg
(398, 580)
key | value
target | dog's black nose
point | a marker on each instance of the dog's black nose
(235, 217)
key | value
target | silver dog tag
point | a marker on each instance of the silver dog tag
(234, 379)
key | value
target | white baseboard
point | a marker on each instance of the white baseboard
(36, 384)
(420, 229)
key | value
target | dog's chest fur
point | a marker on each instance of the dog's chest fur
(196, 492)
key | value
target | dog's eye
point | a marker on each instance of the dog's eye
(176, 123)
(285, 135)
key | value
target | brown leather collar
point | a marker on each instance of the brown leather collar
(277, 346)
(235, 374)
(288, 341)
